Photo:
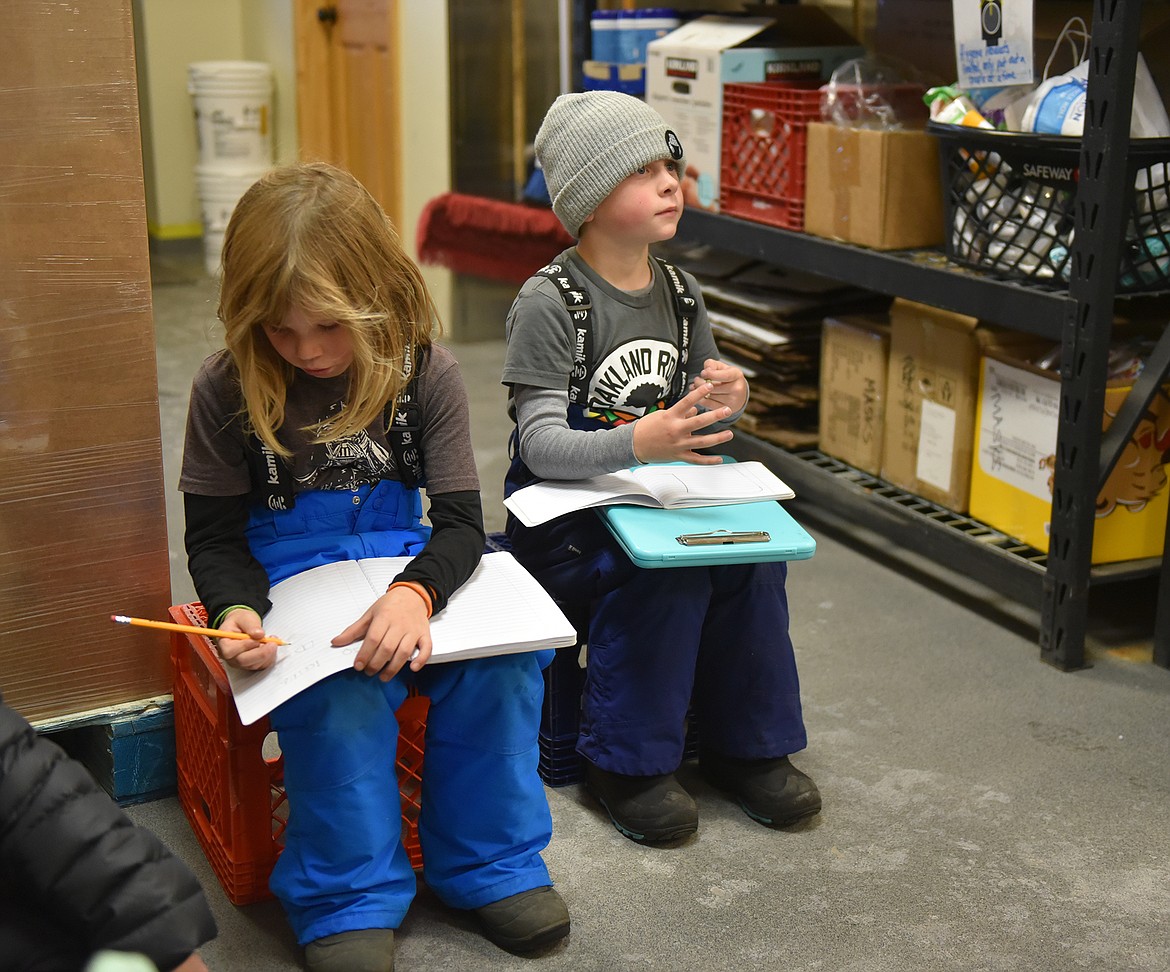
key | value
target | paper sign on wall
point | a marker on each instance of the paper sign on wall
(993, 42)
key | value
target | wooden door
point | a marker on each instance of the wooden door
(348, 89)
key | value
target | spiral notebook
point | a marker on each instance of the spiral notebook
(743, 533)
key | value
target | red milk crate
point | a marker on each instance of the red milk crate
(231, 791)
(762, 159)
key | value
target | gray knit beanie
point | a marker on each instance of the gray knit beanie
(588, 143)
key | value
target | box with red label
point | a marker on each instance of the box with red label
(687, 69)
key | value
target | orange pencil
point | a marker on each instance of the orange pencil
(191, 629)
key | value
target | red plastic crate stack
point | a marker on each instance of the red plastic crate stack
(231, 792)
(763, 151)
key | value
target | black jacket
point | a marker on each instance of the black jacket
(76, 874)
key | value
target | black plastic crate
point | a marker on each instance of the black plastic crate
(563, 681)
(1009, 206)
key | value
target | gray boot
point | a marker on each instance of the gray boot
(362, 950)
(526, 921)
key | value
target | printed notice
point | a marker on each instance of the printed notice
(1018, 418)
(993, 42)
(936, 445)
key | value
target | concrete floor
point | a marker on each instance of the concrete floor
(983, 811)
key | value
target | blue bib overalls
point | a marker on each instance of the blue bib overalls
(665, 640)
(484, 818)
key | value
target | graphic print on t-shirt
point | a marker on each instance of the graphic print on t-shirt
(632, 380)
(343, 463)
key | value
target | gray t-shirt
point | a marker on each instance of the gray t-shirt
(215, 459)
(634, 360)
(635, 339)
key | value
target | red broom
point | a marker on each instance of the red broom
(489, 238)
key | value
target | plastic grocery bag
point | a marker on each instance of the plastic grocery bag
(1057, 106)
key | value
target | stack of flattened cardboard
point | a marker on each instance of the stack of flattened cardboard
(767, 321)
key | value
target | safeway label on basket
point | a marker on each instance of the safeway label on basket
(993, 42)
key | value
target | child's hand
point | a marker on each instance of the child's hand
(394, 631)
(668, 435)
(251, 654)
(731, 387)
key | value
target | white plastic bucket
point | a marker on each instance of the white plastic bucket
(233, 112)
(219, 191)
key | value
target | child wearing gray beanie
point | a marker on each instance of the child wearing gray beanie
(611, 362)
(588, 143)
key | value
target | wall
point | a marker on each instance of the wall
(168, 37)
(426, 137)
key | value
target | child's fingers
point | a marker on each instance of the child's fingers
(422, 655)
(249, 655)
(692, 398)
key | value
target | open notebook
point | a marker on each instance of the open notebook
(743, 533)
(501, 609)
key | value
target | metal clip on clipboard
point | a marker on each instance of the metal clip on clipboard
(723, 537)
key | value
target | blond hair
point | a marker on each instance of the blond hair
(310, 236)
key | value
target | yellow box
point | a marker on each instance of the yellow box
(1015, 454)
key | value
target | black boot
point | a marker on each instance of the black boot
(647, 809)
(772, 791)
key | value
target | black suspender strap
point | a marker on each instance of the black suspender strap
(580, 307)
(271, 472)
(404, 435)
(684, 312)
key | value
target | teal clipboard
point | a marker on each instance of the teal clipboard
(650, 536)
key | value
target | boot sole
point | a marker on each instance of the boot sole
(772, 822)
(656, 837)
(786, 821)
(531, 943)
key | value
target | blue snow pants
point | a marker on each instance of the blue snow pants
(665, 639)
(484, 818)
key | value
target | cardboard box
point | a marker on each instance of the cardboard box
(1015, 455)
(686, 71)
(931, 390)
(855, 352)
(84, 531)
(611, 76)
(873, 188)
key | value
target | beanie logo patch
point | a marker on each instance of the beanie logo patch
(673, 145)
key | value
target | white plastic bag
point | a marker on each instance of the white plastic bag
(1057, 106)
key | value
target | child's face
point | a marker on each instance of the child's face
(646, 205)
(319, 347)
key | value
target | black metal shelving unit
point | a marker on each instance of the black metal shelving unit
(1080, 318)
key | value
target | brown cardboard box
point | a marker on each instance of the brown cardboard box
(855, 353)
(931, 390)
(83, 530)
(873, 188)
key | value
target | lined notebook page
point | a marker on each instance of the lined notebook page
(500, 609)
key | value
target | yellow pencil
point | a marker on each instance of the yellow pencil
(191, 629)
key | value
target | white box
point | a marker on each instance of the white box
(686, 71)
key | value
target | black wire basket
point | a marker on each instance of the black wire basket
(1009, 206)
